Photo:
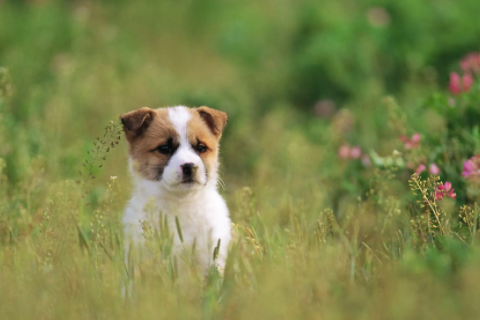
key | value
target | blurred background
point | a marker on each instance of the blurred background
(297, 78)
(283, 70)
(307, 86)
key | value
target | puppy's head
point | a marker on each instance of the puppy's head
(177, 147)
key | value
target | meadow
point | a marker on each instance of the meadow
(350, 162)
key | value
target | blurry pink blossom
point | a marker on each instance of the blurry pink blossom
(420, 168)
(471, 62)
(471, 167)
(355, 152)
(445, 190)
(467, 81)
(411, 143)
(344, 151)
(434, 169)
(454, 84)
(459, 84)
(347, 152)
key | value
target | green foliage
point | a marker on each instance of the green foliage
(330, 219)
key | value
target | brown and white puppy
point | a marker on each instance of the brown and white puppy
(173, 159)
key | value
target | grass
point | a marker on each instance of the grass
(318, 235)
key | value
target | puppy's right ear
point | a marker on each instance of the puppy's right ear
(136, 122)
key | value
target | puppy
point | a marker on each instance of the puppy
(173, 160)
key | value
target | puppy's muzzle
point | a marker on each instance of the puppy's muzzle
(188, 170)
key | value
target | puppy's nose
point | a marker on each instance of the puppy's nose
(188, 170)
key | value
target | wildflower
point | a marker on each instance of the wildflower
(434, 169)
(467, 81)
(411, 143)
(347, 152)
(355, 152)
(416, 137)
(471, 167)
(445, 190)
(420, 168)
(471, 63)
(459, 84)
(454, 84)
(344, 151)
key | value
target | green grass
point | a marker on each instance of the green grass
(317, 236)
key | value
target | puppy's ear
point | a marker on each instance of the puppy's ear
(136, 122)
(216, 120)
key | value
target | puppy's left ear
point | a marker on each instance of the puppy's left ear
(216, 120)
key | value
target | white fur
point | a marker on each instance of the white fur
(172, 175)
(201, 211)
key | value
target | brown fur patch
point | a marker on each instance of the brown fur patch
(216, 120)
(136, 122)
(146, 161)
(200, 132)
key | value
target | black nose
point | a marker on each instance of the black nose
(188, 169)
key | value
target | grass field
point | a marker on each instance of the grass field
(333, 107)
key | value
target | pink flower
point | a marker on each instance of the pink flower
(355, 152)
(434, 169)
(471, 63)
(471, 167)
(454, 84)
(344, 151)
(411, 143)
(467, 82)
(416, 137)
(420, 168)
(445, 190)
(347, 152)
(459, 84)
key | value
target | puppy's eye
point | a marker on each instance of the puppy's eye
(165, 149)
(201, 148)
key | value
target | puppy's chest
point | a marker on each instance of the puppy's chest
(191, 219)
